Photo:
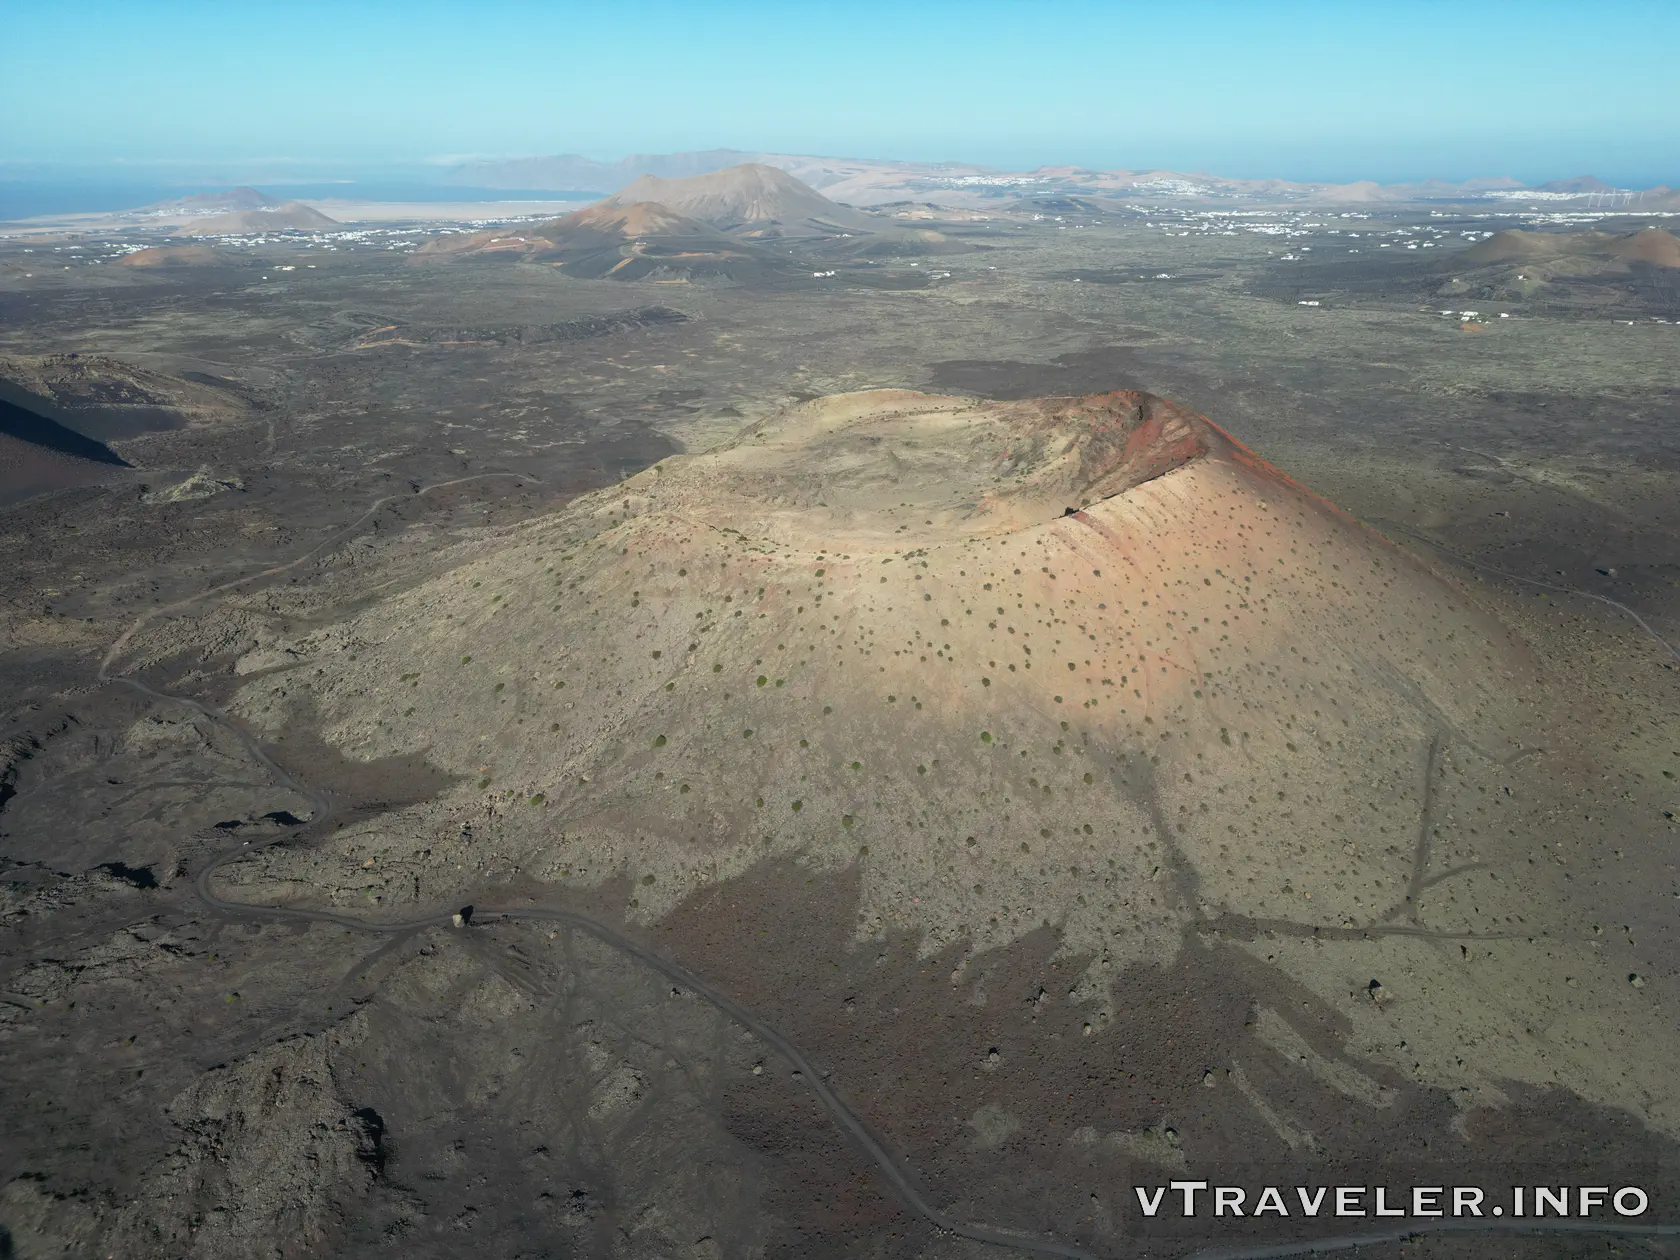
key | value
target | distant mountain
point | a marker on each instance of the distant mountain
(873, 182)
(211, 203)
(570, 171)
(750, 199)
(859, 181)
(1580, 184)
(642, 240)
(294, 216)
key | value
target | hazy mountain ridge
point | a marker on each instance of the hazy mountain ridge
(866, 181)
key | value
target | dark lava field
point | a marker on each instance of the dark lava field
(288, 972)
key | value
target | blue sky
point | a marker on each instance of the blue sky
(1306, 90)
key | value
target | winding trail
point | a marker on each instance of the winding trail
(321, 816)
(342, 535)
(842, 1114)
(1644, 625)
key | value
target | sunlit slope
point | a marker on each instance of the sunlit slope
(870, 630)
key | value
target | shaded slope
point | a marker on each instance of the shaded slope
(27, 470)
(27, 424)
(108, 398)
(38, 454)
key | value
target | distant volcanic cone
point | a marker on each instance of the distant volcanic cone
(635, 241)
(750, 199)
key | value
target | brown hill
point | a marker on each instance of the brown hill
(1649, 245)
(637, 241)
(170, 256)
(617, 222)
(1515, 245)
(750, 199)
(294, 216)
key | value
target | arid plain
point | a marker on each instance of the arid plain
(1113, 692)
